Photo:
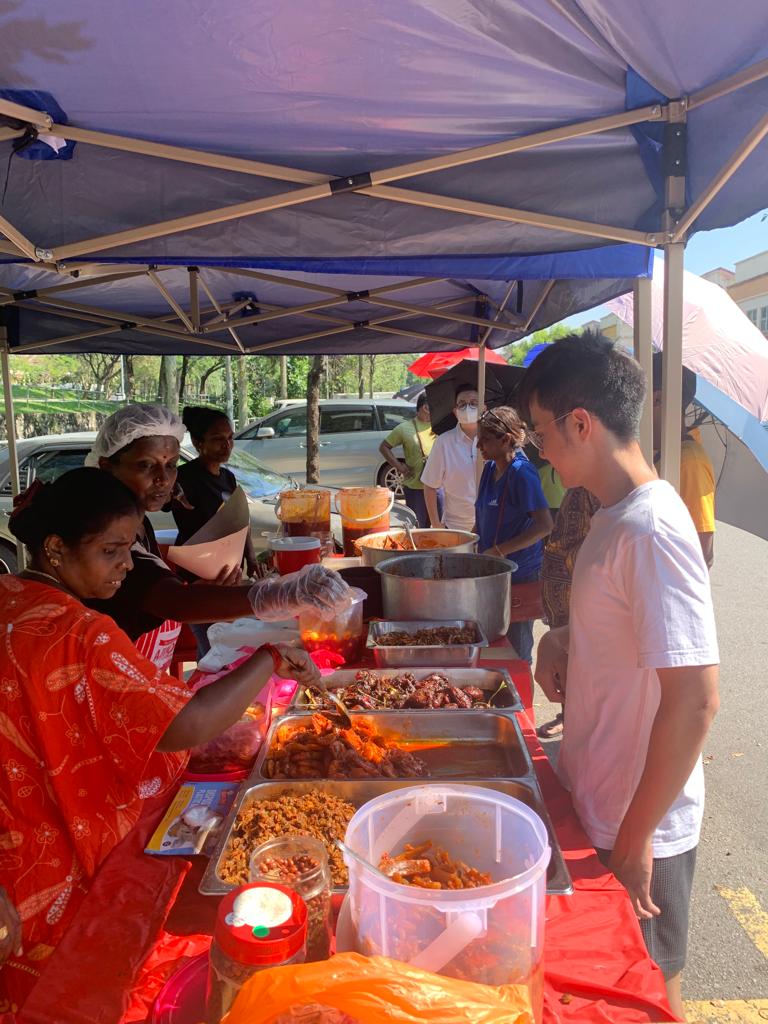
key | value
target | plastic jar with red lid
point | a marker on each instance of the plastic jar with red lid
(293, 553)
(258, 926)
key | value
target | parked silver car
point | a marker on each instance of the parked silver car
(351, 430)
(47, 457)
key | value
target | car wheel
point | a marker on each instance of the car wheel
(389, 477)
(8, 555)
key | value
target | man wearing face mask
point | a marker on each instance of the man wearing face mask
(451, 466)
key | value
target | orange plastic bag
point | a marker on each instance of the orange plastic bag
(370, 990)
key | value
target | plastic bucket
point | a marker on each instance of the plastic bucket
(305, 512)
(493, 934)
(363, 510)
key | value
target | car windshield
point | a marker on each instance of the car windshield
(253, 476)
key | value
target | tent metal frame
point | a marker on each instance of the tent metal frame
(378, 184)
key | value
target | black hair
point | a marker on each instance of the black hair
(421, 400)
(502, 421)
(198, 419)
(689, 380)
(81, 503)
(462, 388)
(586, 371)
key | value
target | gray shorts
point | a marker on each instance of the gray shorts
(666, 936)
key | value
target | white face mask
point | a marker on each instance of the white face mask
(468, 415)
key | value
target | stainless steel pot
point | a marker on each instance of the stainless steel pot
(448, 587)
(461, 541)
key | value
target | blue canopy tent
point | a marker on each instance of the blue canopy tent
(172, 166)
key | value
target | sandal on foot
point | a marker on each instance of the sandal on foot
(550, 730)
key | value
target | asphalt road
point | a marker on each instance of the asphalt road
(728, 946)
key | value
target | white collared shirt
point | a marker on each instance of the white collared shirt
(451, 465)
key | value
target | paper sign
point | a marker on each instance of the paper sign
(219, 543)
(195, 816)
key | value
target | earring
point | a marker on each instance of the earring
(54, 561)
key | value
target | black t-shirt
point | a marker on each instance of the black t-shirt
(127, 606)
(205, 492)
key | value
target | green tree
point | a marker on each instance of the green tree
(518, 350)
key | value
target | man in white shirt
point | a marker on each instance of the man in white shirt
(451, 465)
(639, 657)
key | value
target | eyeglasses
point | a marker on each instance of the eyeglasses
(534, 436)
(466, 405)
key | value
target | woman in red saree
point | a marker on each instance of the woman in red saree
(89, 728)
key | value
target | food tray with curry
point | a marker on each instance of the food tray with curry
(417, 689)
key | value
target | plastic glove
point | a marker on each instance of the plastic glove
(284, 597)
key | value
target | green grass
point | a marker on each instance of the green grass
(35, 400)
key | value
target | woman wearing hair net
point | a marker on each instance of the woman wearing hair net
(139, 444)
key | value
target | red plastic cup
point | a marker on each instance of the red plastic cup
(293, 553)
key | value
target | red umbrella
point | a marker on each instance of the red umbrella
(435, 363)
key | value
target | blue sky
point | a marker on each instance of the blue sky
(710, 249)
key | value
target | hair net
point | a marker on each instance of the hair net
(129, 424)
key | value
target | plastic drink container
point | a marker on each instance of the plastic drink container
(493, 934)
(341, 632)
(305, 512)
(293, 553)
(363, 510)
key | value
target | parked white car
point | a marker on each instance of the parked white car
(47, 457)
(351, 431)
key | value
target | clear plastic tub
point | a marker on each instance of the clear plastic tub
(493, 934)
(341, 633)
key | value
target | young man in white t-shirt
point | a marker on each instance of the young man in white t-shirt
(639, 657)
(451, 466)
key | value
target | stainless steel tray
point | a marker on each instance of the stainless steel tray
(496, 683)
(359, 793)
(454, 745)
(446, 654)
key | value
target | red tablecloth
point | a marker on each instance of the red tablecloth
(144, 914)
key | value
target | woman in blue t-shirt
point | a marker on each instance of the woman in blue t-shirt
(512, 513)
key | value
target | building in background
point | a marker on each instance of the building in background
(748, 287)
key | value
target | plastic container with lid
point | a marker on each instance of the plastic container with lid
(363, 510)
(301, 862)
(259, 925)
(340, 632)
(493, 934)
(293, 553)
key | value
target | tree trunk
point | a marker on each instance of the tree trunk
(371, 372)
(361, 376)
(243, 412)
(128, 364)
(206, 374)
(183, 377)
(169, 394)
(283, 376)
(229, 391)
(314, 381)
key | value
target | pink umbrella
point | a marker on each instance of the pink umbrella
(720, 342)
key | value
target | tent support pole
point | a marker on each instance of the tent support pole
(479, 461)
(10, 430)
(722, 177)
(730, 84)
(20, 241)
(538, 304)
(170, 300)
(212, 299)
(672, 364)
(643, 350)
(194, 299)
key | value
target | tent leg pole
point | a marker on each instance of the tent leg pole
(10, 429)
(672, 364)
(643, 349)
(479, 463)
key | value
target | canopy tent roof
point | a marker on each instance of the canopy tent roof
(349, 141)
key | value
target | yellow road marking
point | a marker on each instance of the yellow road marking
(727, 1011)
(747, 910)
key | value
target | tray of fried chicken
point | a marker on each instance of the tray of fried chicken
(418, 689)
(321, 747)
(448, 642)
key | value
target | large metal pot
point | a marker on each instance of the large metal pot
(454, 541)
(448, 587)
